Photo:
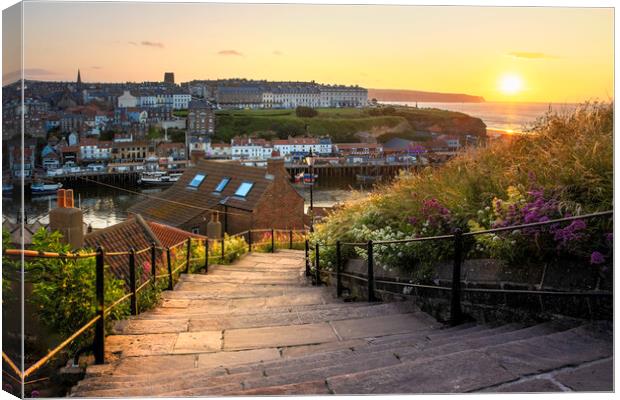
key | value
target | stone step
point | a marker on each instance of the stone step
(292, 377)
(193, 293)
(476, 369)
(282, 371)
(294, 318)
(219, 310)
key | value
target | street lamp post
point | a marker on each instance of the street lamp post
(310, 162)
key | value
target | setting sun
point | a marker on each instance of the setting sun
(510, 84)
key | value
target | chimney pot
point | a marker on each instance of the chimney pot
(69, 198)
(60, 199)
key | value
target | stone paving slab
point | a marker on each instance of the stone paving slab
(377, 326)
(316, 388)
(537, 385)
(257, 321)
(298, 351)
(145, 326)
(196, 342)
(140, 345)
(595, 377)
(278, 336)
(174, 303)
(448, 374)
(230, 358)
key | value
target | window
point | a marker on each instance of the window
(196, 230)
(244, 189)
(197, 181)
(220, 186)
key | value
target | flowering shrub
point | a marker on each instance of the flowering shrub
(234, 247)
(570, 239)
(563, 167)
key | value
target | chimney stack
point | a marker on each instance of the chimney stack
(275, 167)
(214, 227)
(68, 220)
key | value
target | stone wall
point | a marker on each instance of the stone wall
(495, 275)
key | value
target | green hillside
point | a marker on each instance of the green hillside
(342, 124)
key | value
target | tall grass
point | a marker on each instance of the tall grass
(569, 154)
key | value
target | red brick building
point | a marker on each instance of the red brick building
(137, 233)
(244, 197)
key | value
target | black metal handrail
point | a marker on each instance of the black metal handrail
(99, 320)
(455, 288)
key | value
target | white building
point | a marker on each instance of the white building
(127, 100)
(220, 150)
(252, 149)
(93, 149)
(180, 101)
(343, 96)
(303, 146)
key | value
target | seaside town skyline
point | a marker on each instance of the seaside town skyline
(497, 60)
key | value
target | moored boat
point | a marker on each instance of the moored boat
(158, 178)
(39, 188)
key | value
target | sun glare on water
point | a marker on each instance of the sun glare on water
(510, 84)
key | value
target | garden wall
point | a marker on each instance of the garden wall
(495, 275)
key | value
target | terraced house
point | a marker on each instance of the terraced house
(246, 197)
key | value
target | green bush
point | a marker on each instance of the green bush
(306, 112)
(63, 290)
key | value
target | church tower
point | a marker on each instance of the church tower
(79, 79)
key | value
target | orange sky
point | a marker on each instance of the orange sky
(557, 54)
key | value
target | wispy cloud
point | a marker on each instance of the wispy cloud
(147, 43)
(277, 53)
(529, 55)
(152, 44)
(96, 67)
(230, 53)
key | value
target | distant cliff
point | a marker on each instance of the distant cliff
(415, 95)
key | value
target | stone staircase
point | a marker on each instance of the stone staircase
(258, 328)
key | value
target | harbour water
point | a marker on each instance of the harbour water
(105, 206)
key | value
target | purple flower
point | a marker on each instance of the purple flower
(35, 393)
(609, 237)
(596, 258)
(413, 220)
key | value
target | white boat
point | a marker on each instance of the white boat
(158, 178)
(44, 188)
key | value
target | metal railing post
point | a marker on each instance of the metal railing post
(307, 258)
(290, 239)
(99, 341)
(455, 300)
(153, 263)
(317, 272)
(189, 254)
(223, 249)
(206, 255)
(273, 245)
(250, 241)
(338, 270)
(133, 304)
(170, 287)
(371, 272)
